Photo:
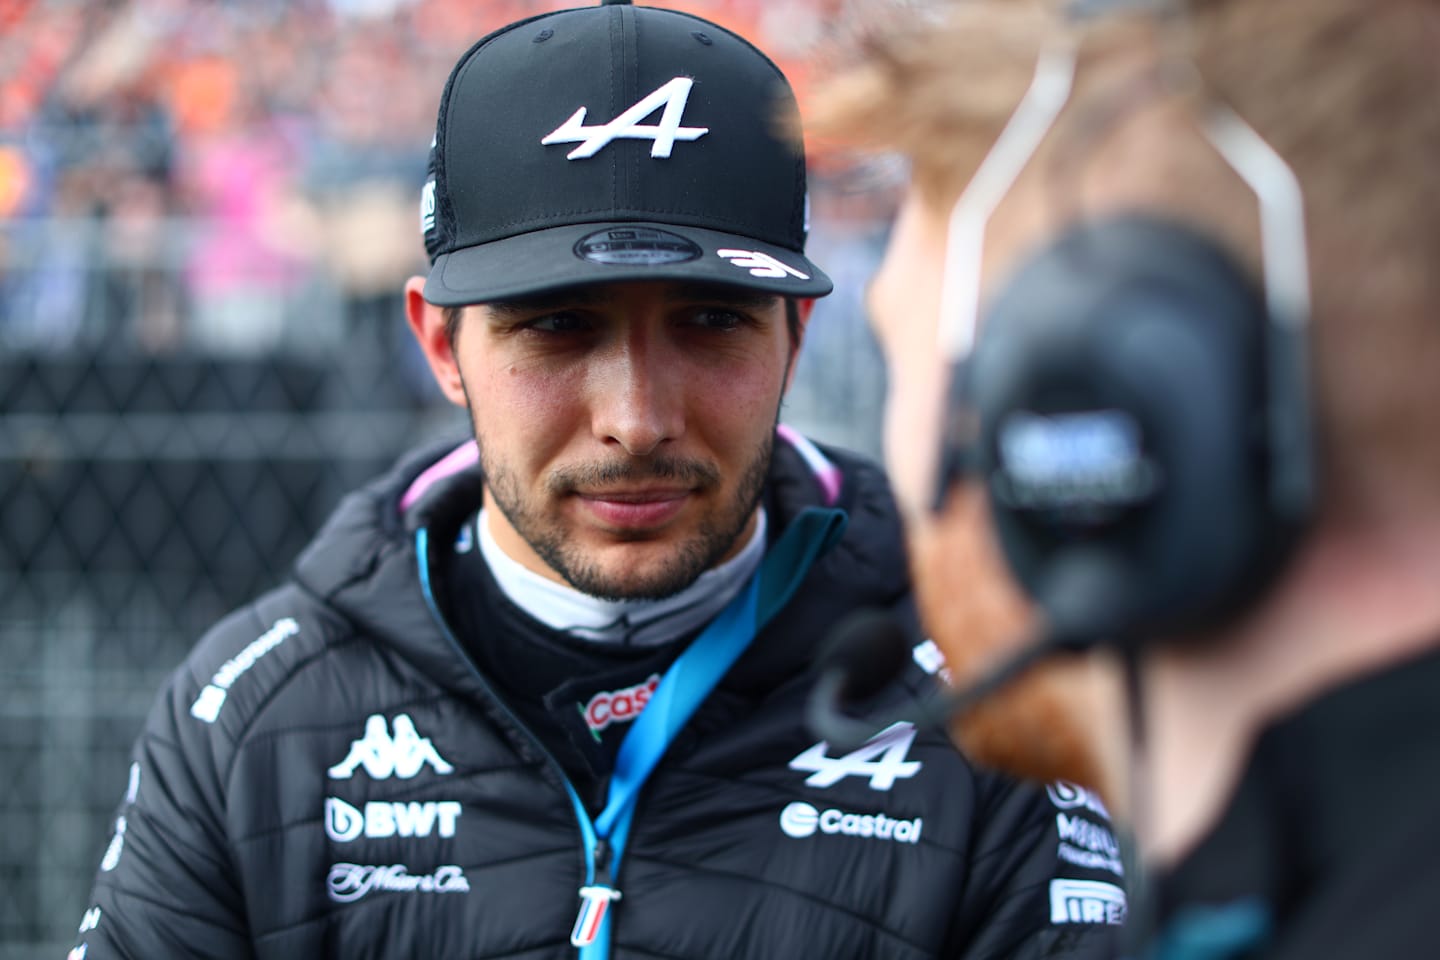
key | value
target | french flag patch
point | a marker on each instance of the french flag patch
(594, 905)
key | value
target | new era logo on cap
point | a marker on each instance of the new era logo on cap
(615, 143)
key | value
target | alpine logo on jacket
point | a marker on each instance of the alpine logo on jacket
(881, 759)
(383, 756)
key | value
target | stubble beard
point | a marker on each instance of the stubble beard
(715, 537)
(1047, 724)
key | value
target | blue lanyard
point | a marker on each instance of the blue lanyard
(685, 685)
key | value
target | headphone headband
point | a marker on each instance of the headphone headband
(1132, 394)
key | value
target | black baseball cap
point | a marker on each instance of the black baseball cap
(614, 143)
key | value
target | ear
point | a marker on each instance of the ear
(803, 307)
(427, 322)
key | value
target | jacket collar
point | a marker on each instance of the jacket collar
(363, 561)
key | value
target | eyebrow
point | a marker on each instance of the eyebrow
(722, 293)
(590, 295)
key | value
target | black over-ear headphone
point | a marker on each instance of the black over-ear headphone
(1136, 404)
(1128, 412)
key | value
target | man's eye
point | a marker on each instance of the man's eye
(559, 322)
(718, 318)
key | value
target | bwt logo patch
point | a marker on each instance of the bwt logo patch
(345, 822)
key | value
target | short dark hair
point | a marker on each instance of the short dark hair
(792, 321)
(452, 322)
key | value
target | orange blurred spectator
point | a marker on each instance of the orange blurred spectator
(14, 181)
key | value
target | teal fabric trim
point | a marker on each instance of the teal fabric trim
(1222, 932)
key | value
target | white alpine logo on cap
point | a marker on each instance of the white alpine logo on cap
(627, 126)
(760, 264)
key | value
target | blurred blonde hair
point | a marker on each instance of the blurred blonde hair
(1345, 90)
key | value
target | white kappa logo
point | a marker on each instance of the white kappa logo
(384, 756)
(627, 126)
(761, 264)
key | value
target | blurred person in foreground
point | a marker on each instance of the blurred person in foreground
(1283, 794)
(543, 694)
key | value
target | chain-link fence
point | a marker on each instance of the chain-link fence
(143, 498)
(145, 494)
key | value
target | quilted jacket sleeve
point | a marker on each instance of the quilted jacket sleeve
(167, 885)
(1046, 879)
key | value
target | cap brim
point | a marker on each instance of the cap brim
(610, 252)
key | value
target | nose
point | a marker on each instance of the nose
(638, 398)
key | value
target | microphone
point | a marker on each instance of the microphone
(866, 654)
(1083, 606)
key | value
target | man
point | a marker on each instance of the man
(545, 692)
(1286, 802)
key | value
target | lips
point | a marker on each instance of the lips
(635, 509)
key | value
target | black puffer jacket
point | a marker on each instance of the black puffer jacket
(330, 775)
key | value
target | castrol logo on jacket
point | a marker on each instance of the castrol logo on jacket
(618, 706)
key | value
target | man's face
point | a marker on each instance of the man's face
(1044, 726)
(625, 430)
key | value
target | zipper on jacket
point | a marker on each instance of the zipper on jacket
(685, 685)
(595, 897)
(597, 850)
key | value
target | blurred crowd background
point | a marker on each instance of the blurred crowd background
(207, 210)
(235, 177)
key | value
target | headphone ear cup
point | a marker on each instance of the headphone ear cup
(1119, 382)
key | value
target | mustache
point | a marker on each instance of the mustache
(695, 473)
